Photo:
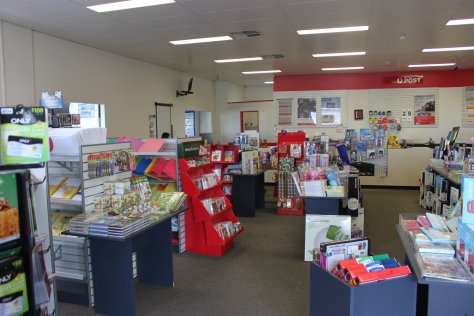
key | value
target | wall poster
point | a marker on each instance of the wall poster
(306, 111)
(424, 109)
(331, 111)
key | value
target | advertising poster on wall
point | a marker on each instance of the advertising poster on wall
(284, 112)
(331, 111)
(306, 111)
(424, 109)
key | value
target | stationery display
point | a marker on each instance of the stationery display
(106, 163)
(334, 251)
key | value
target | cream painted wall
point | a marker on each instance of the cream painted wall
(17, 65)
(230, 113)
(34, 62)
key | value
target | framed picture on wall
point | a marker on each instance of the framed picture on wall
(358, 114)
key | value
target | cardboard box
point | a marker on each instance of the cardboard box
(467, 187)
(323, 228)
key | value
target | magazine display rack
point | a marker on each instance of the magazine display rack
(210, 229)
(288, 202)
(22, 249)
(71, 253)
(437, 297)
(221, 157)
(169, 152)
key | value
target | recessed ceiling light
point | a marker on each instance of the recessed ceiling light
(202, 40)
(236, 60)
(123, 5)
(334, 30)
(342, 68)
(460, 22)
(339, 54)
(447, 49)
(260, 72)
(432, 65)
(268, 82)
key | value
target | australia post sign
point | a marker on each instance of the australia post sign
(408, 79)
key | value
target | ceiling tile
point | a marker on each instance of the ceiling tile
(103, 30)
(48, 10)
(326, 8)
(247, 14)
(79, 21)
(170, 22)
(153, 12)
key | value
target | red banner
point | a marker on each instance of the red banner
(425, 120)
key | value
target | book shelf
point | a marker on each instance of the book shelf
(288, 202)
(72, 254)
(221, 157)
(166, 176)
(209, 233)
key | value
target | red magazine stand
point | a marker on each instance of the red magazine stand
(285, 140)
(201, 236)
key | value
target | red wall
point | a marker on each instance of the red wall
(379, 80)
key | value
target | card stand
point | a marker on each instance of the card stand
(201, 213)
(225, 148)
(213, 238)
(188, 174)
(292, 211)
(329, 295)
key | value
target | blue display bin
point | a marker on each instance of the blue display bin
(331, 296)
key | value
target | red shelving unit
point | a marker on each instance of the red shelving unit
(229, 155)
(289, 204)
(201, 236)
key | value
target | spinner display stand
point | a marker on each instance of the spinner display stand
(290, 155)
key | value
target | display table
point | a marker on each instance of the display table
(322, 205)
(331, 296)
(248, 193)
(437, 296)
(111, 259)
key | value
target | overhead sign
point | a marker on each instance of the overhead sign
(408, 79)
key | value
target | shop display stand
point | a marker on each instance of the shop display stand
(329, 295)
(220, 165)
(285, 139)
(248, 193)
(437, 297)
(170, 151)
(71, 253)
(29, 238)
(201, 236)
(114, 288)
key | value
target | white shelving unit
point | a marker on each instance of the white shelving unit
(72, 254)
(168, 151)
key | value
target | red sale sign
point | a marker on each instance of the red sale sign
(425, 120)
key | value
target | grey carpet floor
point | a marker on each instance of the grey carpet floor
(264, 274)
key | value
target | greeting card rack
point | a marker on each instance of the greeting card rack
(72, 255)
(202, 235)
(221, 157)
(290, 155)
(166, 178)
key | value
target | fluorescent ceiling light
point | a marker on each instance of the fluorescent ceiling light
(123, 5)
(339, 54)
(342, 68)
(334, 30)
(268, 82)
(447, 49)
(432, 65)
(236, 60)
(460, 22)
(260, 72)
(202, 40)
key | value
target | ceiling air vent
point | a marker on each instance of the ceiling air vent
(245, 34)
(273, 56)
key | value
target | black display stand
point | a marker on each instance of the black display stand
(322, 205)
(437, 297)
(331, 296)
(248, 193)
